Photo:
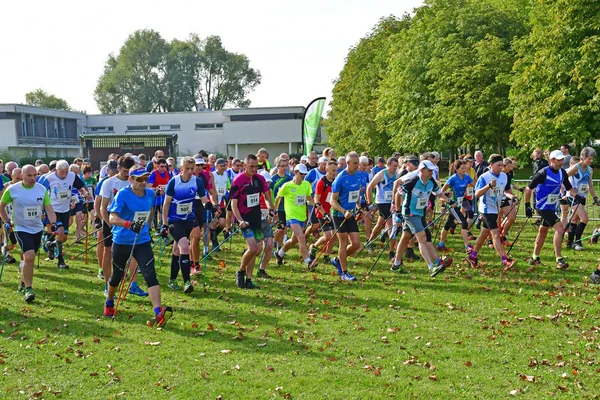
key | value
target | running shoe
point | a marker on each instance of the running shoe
(535, 261)
(240, 279)
(109, 311)
(51, 245)
(441, 248)
(577, 246)
(445, 263)
(392, 255)
(410, 255)
(472, 261)
(188, 287)
(250, 285)
(173, 284)
(9, 259)
(62, 264)
(100, 274)
(370, 249)
(508, 264)
(469, 248)
(327, 258)
(312, 252)
(336, 263)
(346, 276)
(471, 236)
(561, 263)
(29, 296)
(21, 287)
(262, 274)
(163, 315)
(398, 268)
(595, 278)
(135, 289)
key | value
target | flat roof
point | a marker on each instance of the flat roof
(263, 110)
(136, 134)
(50, 112)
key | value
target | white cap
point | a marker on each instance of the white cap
(136, 159)
(557, 155)
(301, 168)
(436, 154)
(266, 175)
(323, 159)
(427, 164)
(363, 160)
(304, 158)
(199, 161)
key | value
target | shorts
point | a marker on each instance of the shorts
(455, 214)
(490, 221)
(313, 216)
(569, 201)
(467, 205)
(384, 210)
(413, 223)
(87, 207)
(78, 208)
(296, 222)
(350, 226)
(432, 198)
(222, 211)
(181, 229)
(257, 234)
(200, 212)
(62, 219)
(106, 234)
(267, 229)
(549, 217)
(326, 225)
(281, 219)
(364, 206)
(505, 203)
(29, 241)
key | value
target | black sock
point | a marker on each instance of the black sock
(174, 267)
(597, 272)
(59, 245)
(579, 231)
(184, 263)
(572, 228)
(28, 288)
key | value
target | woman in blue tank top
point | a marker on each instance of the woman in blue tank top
(458, 182)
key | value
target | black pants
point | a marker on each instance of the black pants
(144, 256)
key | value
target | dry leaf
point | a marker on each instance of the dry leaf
(152, 343)
(528, 378)
(468, 363)
(225, 351)
(432, 378)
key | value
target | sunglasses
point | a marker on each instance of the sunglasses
(141, 178)
(251, 166)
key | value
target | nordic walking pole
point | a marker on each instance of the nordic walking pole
(94, 245)
(518, 234)
(2, 269)
(125, 271)
(387, 242)
(88, 235)
(326, 245)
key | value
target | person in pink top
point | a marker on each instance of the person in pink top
(245, 194)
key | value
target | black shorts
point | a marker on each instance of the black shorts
(62, 219)
(313, 217)
(432, 198)
(350, 226)
(181, 229)
(505, 203)
(326, 225)
(549, 217)
(455, 214)
(12, 237)
(29, 241)
(87, 207)
(490, 221)
(223, 211)
(569, 201)
(281, 219)
(78, 208)
(200, 212)
(384, 210)
(106, 234)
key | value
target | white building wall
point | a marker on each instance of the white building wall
(275, 131)
(8, 133)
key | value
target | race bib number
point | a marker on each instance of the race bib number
(184, 208)
(300, 201)
(552, 199)
(470, 192)
(264, 214)
(459, 201)
(353, 196)
(74, 199)
(421, 203)
(221, 191)
(252, 200)
(583, 189)
(65, 195)
(387, 196)
(328, 199)
(31, 213)
(499, 192)
(141, 217)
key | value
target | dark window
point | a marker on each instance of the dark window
(205, 126)
(175, 126)
(154, 127)
(265, 117)
(137, 128)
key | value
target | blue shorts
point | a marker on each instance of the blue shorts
(413, 224)
(257, 234)
(295, 221)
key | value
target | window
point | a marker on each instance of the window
(137, 128)
(208, 126)
(154, 127)
(102, 129)
(174, 126)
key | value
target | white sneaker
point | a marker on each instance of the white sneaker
(578, 247)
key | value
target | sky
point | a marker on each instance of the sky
(299, 47)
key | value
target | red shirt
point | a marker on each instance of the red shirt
(324, 189)
(247, 191)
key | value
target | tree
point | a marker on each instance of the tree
(40, 98)
(152, 75)
(555, 94)
(351, 120)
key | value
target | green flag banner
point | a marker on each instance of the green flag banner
(310, 123)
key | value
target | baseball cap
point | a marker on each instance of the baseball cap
(199, 161)
(301, 168)
(557, 155)
(266, 175)
(112, 166)
(221, 161)
(411, 159)
(427, 164)
(323, 159)
(304, 158)
(435, 154)
(138, 170)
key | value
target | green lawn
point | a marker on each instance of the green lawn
(469, 333)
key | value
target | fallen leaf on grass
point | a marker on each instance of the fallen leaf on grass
(432, 378)
(152, 343)
(225, 351)
(211, 327)
(261, 344)
(78, 342)
(528, 378)
(468, 363)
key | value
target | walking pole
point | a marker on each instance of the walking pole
(86, 236)
(314, 263)
(3, 262)
(122, 284)
(215, 249)
(387, 242)
(94, 245)
(518, 234)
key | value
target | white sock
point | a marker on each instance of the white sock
(396, 263)
(307, 260)
(281, 253)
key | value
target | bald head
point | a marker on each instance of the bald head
(29, 175)
(42, 169)
(16, 174)
(10, 166)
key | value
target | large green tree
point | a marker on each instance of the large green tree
(555, 94)
(351, 120)
(151, 75)
(40, 98)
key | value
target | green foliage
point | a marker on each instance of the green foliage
(555, 93)
(152, 75)
(40, 98)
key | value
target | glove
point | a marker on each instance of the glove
(450, 203)
(164, 231)
(398, 218)
(579, 199)
(134, 226)
(327, 218)
(514, 200)
(8, 226)
(97, 223)
(528, 210)
(209, 206)
(53, 228)
(371, 207)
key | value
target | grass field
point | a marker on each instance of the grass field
(469, 333)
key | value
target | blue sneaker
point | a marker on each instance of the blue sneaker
(336, 263)
(136, 290)
(346, 276)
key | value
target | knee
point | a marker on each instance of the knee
(29, 256)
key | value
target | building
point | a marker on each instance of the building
(236, 132)
(40, 132)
